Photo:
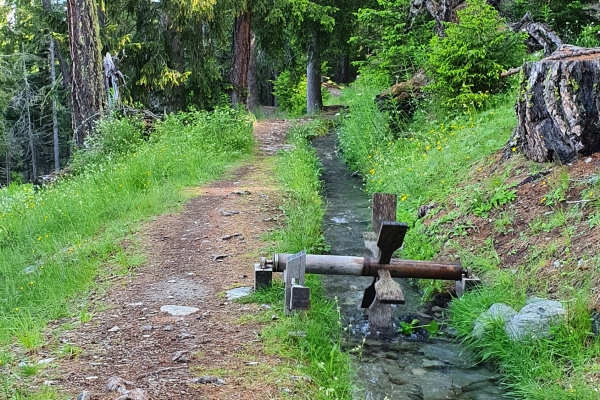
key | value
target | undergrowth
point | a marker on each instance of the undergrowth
(451, 162)
(311, 339)
(53, 240)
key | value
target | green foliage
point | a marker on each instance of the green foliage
(486, 200)
(392, 50)
(298, 171)
(290, 93)
(467, 63)
(53, 240)
(589, 36)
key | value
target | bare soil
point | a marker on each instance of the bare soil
(193, 257)
(571, 245)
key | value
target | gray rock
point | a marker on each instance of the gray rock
(209, 379)
(535, 320)
(238, 292)
(179, 310)
(498, 312)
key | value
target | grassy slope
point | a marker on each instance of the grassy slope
(54, 241)
(511, 234)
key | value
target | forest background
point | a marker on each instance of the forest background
(176, 55)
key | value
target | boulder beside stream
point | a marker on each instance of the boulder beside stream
(535, 319)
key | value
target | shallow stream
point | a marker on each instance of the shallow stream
(388, 367)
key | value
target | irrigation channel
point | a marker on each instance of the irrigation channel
(396, 367)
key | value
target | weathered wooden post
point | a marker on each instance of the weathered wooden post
(387, 237)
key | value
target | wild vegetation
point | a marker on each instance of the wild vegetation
(57, 240)
(526, 229)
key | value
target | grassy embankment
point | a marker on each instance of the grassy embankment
(57, 243)
(521, 239)
(311, 341)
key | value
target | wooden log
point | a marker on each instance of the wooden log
(360, 266)
(388, 290)
(558, 108)
(381, 317)
(384, 209)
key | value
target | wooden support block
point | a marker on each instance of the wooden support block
(390, 239)
(384, 209)
(263, 277)
(466, 284)
(387, 290)
(293, 276)
(300, 298)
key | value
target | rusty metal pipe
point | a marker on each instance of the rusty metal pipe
(365, 266)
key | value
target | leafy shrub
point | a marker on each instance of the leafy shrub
(589, 37)
(290, 93)
(390, 47)
(114, 137)
(467, 63)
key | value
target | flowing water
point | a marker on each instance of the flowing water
(388, 367)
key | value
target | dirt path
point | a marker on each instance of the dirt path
(192, 258)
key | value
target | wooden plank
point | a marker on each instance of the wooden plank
(390, 239)
(371, 244)
(384, 209)
(388, 290)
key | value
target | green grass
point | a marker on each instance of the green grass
(56, 240)
(312, 339)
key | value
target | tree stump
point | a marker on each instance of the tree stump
(558, 106)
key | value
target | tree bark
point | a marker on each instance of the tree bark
(175, 53)
(253, 101)
(314, 99)
(541, 36)
(87, 91)
(54, 110)
(62, 63)
(558, 107)
(240, 58)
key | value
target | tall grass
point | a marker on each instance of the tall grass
(54, 239)
(312, 340)
(298, 171)
(426, 162)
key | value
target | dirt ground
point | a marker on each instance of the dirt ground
(193, 257)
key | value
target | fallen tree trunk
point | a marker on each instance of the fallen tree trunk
(558, 107)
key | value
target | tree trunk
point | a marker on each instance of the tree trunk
(558, 107)
(314, 99)
(253, 101)
(240, 58)
(176, 55)
(87, 91)
(62, 63)
(54, 111)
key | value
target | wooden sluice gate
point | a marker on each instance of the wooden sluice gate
(386, 238)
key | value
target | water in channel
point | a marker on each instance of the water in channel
(388, 367)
